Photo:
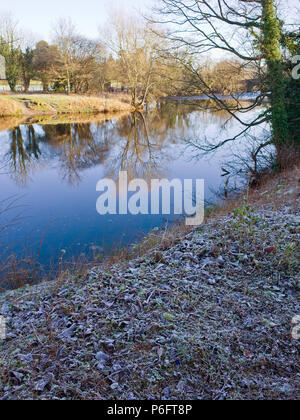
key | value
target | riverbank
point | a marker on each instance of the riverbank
(28, 105)
(8, 123)
(207, 315)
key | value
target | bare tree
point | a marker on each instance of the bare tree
(10, 48)
(46, 58)
(64, 34)
(248, 30)
(80, 57)
(135, 48)
(26, 59)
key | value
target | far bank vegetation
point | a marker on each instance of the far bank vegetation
(26, 105)
(131, 56)
(146, 60)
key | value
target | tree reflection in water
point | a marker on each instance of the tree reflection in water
(137, 143)
(50, 155)
(24, 150)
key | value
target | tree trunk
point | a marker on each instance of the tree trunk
(26, 85)
(134, 97)
(272, 34)
(12, 87)
(68, 82)
(45, 83)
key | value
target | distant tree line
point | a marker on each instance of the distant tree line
(149, 59)
(256, 37)
(72, 63)
(132, 53)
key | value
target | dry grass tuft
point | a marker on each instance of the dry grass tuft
(72, 118)
(7, 123)
(52, 104)
(9, 108)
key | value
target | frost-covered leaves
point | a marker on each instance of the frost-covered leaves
(210, 318)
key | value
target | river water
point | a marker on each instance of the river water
(50, 171)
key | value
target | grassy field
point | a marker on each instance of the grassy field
(51, 104)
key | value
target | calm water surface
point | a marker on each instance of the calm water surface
(53, 169)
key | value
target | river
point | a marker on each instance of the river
(50, 171)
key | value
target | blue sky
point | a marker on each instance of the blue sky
(38, 16)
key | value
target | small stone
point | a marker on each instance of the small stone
(220, 261)
(102, 357)
(68, 333)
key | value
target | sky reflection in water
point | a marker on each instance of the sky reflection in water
(53, 169)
